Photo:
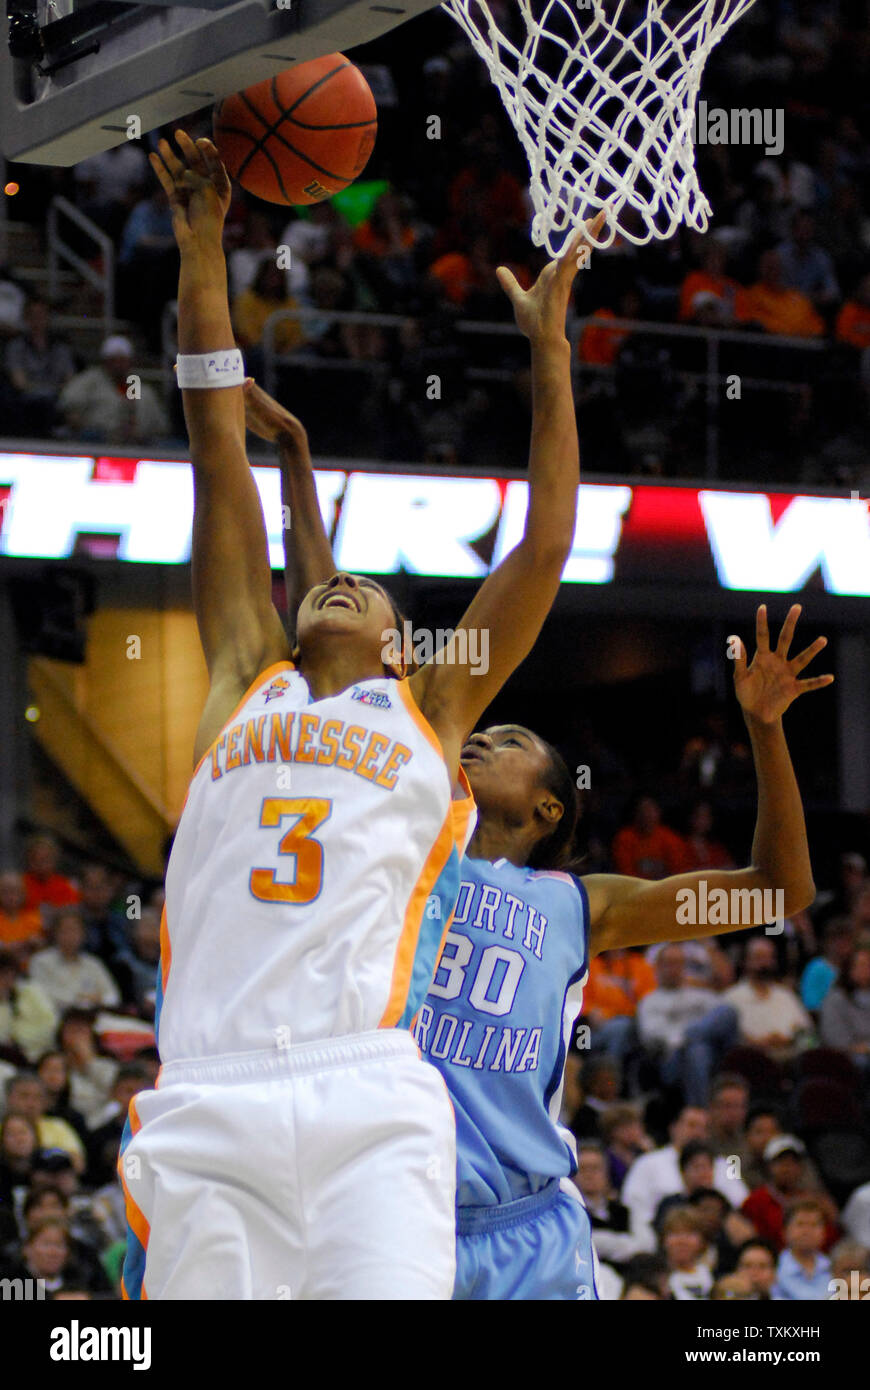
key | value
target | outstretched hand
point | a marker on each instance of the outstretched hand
(770, 684)
(197, 186)
(540, 312)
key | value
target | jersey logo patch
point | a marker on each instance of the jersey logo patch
(371, 697)
(276, 689)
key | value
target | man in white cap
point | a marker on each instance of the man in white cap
(110, 404)
(788, 1181)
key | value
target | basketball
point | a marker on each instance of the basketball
(301, 136)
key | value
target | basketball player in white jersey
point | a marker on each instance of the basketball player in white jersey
(296, 1145)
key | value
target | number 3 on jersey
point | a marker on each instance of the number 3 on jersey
(311, 812)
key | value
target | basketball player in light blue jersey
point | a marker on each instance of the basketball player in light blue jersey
(498, 1016)
(499, 1012)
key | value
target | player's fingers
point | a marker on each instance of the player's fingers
(814, 683)
(736, 646)
(170, 158)
(193, 156)
(167, 182)
(508, 281)
(762, 636)
(787, 632)
(213, 163)
(804, 658)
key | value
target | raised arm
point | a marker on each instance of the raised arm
(307, 552)
(635, 912)
(512, 603)
(239, 626)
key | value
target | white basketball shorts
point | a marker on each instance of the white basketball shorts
(322, 1171)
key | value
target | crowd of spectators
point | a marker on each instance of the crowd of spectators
(78, 976)
(719, 1088)
(788, 255)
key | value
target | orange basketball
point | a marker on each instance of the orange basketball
(301, 136)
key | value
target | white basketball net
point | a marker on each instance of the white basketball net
(604, 105)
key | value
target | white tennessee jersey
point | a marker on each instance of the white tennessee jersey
(314, 871)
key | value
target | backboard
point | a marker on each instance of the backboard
(106, 71)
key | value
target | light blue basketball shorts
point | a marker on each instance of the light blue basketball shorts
(539, 1247)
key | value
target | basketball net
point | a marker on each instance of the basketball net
(604, 106)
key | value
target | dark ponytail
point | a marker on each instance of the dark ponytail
(556, 850)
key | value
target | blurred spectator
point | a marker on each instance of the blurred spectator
(68, 973)
(110, 403)
(696, 1174)
(703, 851)
(687, 1030)
(646, 1277)
(109, 184)
(853, 327)
(770, 305)
(43, 884)
(728, 1108)
(27, 1016)
(856, 1214)
(617, 981)
(53, 1072)
(19, 1143)
(769, 1015)
(91, 1076)
(468, 279)
(626, 1139)
(39, 365)
(723, 1228)
(20, 926)
(787, 1181)
(607, 1216)
(657, 1174)
(819, 974)
(850, 1261)
(756, 1261)
(701, 964)
(148, 264)
(803, 1272)
(107, 929)
(387, 239)
(600, 343)
(135, 967)
(259, 245)
(731, 1287)
(12, 302)
(805, 266)
(841, 900)
(845, 1014)
(108, 1125)
(483, 196)
(710, 279)
(646, 848)
(26, 1096)
(599, 1087)
(267, 295)
(763, 1123)
(47, 1254)
(712, 759)
(687, 1254)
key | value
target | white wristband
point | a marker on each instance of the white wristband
(211, 370)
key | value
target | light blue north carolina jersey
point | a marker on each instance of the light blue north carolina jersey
(497, 1023)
